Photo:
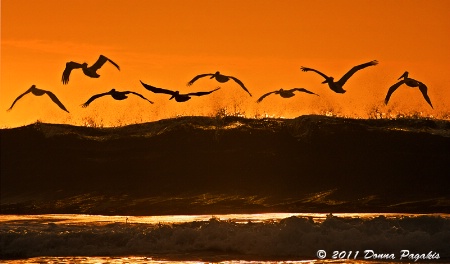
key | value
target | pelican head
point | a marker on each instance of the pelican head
(112, 90)
(329, 80)
(405, 75)
(84, 65)
(215, 74)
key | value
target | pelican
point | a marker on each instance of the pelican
(285, 93)
(38, 92)
(88, 71)
(411, 83)
(220, 78)
(338, 86)
(176, 94)
(114, 94)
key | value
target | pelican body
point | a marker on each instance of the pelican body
(180, 97)
(338, 86)
(39, 92)
(176, 94)
(88, 71)
(114, 94)
(411, 83)
(220, 78)
(285, 93)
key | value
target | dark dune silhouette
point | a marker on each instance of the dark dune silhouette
(338, 86)
(88, 71)
(176, 94)
(285, 93)
(220, 78)
(38, 92)
(114, 94)
(411, 83)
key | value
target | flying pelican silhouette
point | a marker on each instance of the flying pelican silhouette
(114, 94)
(88, 71)
(411, 83)
(220, 78)
(285, 93)
(38, 92)
(176, 94)
(338, 86)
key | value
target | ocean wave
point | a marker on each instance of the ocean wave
(291, 238)
(296, 127)
(306, 164)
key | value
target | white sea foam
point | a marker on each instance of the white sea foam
(294, 237)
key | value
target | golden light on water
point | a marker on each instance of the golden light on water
(79, 219)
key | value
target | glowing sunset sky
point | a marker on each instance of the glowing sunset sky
(263, 43)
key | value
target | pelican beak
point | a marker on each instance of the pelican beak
(325, 81)
(405, 75)
(171, 97)
(211, 77)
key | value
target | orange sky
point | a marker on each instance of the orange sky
(263, 43)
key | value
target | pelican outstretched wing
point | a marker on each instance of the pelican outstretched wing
(69, 67)
(240, 83)
(20, 96)
(423, 88)
(391, 90)
(264, 96)
(101, 60)
(202, 93)
(156, 89)
(56, 100)
(349, 74)
(139, 96)
(306, 69)
(198, 77)
(93, 98)
(303, 90)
